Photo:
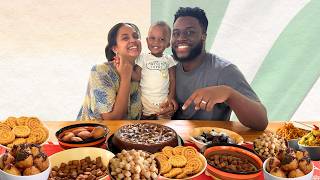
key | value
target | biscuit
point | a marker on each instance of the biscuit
(196, 165)
(178, 161)
(4, 127)
(165, 167)
(11, 122)
(189, 152)
(177, 150)
(6, 137)
(21, 131)
(160, 156)
(167, 151)
(173, 172)
(18, 141)
(33, 122)
(40, 134)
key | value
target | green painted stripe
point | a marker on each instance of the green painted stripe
(292, 65)
(164, 10)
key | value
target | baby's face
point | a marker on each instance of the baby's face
(158, 40)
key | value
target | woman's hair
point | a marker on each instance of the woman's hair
(112, 39)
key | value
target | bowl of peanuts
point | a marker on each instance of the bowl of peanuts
(80, 163)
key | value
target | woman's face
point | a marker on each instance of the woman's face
(128, 42)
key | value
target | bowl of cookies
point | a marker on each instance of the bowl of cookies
(15, 131)
(80, 163)
(82, 135)
(289, 164)
(202, 136)
(135, 164)
(25, 162)
(180, 162)
(229, 161)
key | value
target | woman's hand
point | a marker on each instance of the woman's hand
(124, 68)
(206, 98)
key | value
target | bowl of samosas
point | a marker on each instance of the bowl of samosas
(82, 135)
(288, 164)
(24, 162)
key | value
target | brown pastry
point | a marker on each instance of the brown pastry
(289, 163)
(295, 173)
(277, 172)
(67, 136)
(35, 149)
(24, 159)
(41, 161)
(305, 165)
(11, 169)
(98, 132)
(78, 130)
(272, 163)
(7, 158)
(84, 135)
(31, 171)
(76, 139)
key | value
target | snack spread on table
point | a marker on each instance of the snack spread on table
(214, 137)
(145, 136)
(311, 139)
(24, 160)
(79, 169)
(82, 134)
(269, 144)
(289, 164)
(179, 162)
(14, 131)
(288, 131)
(136, 164)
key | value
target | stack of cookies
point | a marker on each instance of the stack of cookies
(15, 131)
(179, 162)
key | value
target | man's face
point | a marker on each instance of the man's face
(187, 39)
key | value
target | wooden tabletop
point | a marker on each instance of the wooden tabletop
(182, 127)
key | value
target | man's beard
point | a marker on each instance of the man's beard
(194, 52)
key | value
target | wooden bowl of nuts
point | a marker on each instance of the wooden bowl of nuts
(268, 145)
(82, 135)
(81, 163)
(136, 164)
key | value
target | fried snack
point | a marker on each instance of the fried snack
(11, 122)
(4, 127)
(177, 150)
(288, 131)
(189, 152)
(185, 173)
(278, 172)
(168, 151)
(165, 167)
(173, 172)
(18, 141)
(305, 165)
(31, 171)
(178, 161)
(21, 131)
(11, 169)
(160, 156)
(6, 137)
(32, 139)
(33, 122)
(24, 160)
(196, 165)
(40, 133)
(41, 161)
(295, 173)
(21, 121)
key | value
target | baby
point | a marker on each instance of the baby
(157, 72)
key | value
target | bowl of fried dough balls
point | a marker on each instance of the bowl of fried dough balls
(24, 162)
(288, 164)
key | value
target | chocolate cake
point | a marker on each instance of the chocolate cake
(145, 136)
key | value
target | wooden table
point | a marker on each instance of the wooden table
(182, 127)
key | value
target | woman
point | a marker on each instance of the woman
(111, 94)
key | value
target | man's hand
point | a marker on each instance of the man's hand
(206, 98)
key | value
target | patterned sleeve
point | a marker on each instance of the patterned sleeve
(171, 61)
(102, 89)
(231, 76)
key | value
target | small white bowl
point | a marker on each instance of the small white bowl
(269, 176)
(41, 176)
(198, 131)
(204, 161)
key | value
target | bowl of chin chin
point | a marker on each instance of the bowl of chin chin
(82, 135)
(218, 154)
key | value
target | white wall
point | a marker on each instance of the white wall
(48, 47)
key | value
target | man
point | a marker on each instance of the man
(208, 87)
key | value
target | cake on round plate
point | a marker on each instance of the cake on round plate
(145, 136)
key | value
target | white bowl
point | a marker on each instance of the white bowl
(269, 176)
(204, 161)
(41, 176)
(80, 153)
(197, 131)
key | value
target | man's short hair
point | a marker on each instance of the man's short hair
(195, 12)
